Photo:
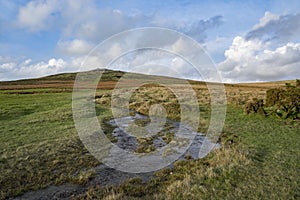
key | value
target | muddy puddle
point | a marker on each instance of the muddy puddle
(106, 176)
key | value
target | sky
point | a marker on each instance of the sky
(248, 41)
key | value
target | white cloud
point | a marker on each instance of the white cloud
(155, 62)
(250, 60)
(41, 68)
(96, 24)
(6, 67)
(97, 58)
(37, 15)
(27, 61)
(83, 63)
(74, 47)
(282, 28)
(241, 49)
(27, 69)
(86, 20)
(114, 51)
(240, 52)
(267, 18)
(265, 53)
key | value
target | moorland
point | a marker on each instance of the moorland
(40, 149)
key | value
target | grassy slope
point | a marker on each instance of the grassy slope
(40, 147)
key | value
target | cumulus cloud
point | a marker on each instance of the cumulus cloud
(42, 68)
(265, 53)
(251, 60)
(6, 67)
(27, 69)
(240, 51)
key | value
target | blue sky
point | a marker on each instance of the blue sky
(248, 40)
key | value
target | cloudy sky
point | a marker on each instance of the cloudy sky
(248, 41)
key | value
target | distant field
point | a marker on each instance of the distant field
(259, 157)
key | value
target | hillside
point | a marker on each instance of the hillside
(41, 155)
(236, 93)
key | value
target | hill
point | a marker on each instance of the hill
(41, 155)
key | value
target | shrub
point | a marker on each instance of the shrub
(285, 102)
(298, 83)
(255, 106)
(273, 96)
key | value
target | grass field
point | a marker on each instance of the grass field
(259, 157)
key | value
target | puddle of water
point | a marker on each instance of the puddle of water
(129, 142)
(62, 192)
(106, 176)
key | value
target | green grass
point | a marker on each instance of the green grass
(36, 91)
(39, 143)
(259, 158)
(275, 151)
